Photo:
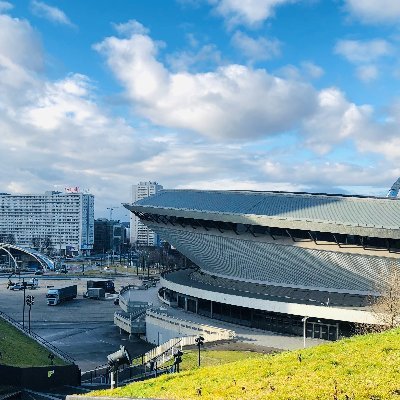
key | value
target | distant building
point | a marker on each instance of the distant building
(140, 234)
(108, 235)
(51, 222)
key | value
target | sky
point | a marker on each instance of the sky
(294, 95)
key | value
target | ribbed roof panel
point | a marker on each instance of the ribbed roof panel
(334, 209)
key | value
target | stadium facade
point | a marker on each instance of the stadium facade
(270, 259)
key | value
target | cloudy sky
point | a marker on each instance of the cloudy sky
(299, 95)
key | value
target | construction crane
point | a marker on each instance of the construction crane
(111, 211)
(394, 190)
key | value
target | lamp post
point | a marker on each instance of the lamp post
(30, 301)
(304, 320)
(199, 342)
(23, 308)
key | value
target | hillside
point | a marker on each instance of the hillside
(362, 367)
(19, 350)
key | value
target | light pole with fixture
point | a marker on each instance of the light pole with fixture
(304, 320)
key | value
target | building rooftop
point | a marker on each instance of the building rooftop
(376, 212)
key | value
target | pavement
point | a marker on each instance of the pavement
(82, 328)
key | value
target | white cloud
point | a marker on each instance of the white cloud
(335, 120)
(50, 13)
(233, 101)
(365, 55)
(383, 137)
(208, 55)
(251, 13)
(20, 44)
(311, 70)
(367, 73)
(357, 51)
(21, 59)
(5, 6)
(256, 49)
(374, 11)
(232, 184)
(130, 28)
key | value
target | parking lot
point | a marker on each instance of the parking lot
(83, 328)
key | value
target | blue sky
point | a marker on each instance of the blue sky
(209, 94)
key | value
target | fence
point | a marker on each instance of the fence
(164, 352)
(130, 323)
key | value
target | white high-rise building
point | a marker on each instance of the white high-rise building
(53, 221)
(139, 233)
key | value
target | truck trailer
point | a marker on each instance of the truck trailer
(107, 285)
(95, 293)
(57, 296)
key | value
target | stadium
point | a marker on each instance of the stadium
(277, 261)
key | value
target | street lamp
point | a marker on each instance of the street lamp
(304, 320)
(24, 285)
(199, 342)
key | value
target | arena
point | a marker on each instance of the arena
(277, 261)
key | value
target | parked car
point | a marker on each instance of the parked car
(16, 286)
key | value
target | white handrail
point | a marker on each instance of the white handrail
(210, 334)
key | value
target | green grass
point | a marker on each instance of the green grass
(359, 368)
(208, 358)
(19, 350)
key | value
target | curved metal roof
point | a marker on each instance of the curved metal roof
(43, 260)
(366, 216)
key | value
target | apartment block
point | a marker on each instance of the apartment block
(53, 221)
(140, 234)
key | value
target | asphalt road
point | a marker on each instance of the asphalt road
(83, 328)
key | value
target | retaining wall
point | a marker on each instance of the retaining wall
(40, 378)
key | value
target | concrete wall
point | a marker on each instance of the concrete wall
(40, 378)
(161, 328)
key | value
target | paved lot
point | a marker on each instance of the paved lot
(83, 328)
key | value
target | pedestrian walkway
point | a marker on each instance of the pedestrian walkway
(244, 334)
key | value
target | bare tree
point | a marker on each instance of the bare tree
(10, 238)
(387, 307)
(36, 242)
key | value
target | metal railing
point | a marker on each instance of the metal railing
(165, 351)
(64, 356)
(130, 323)
(210, 333)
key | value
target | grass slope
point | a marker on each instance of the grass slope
(19, 350)
(210, 358)
(362, 367)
